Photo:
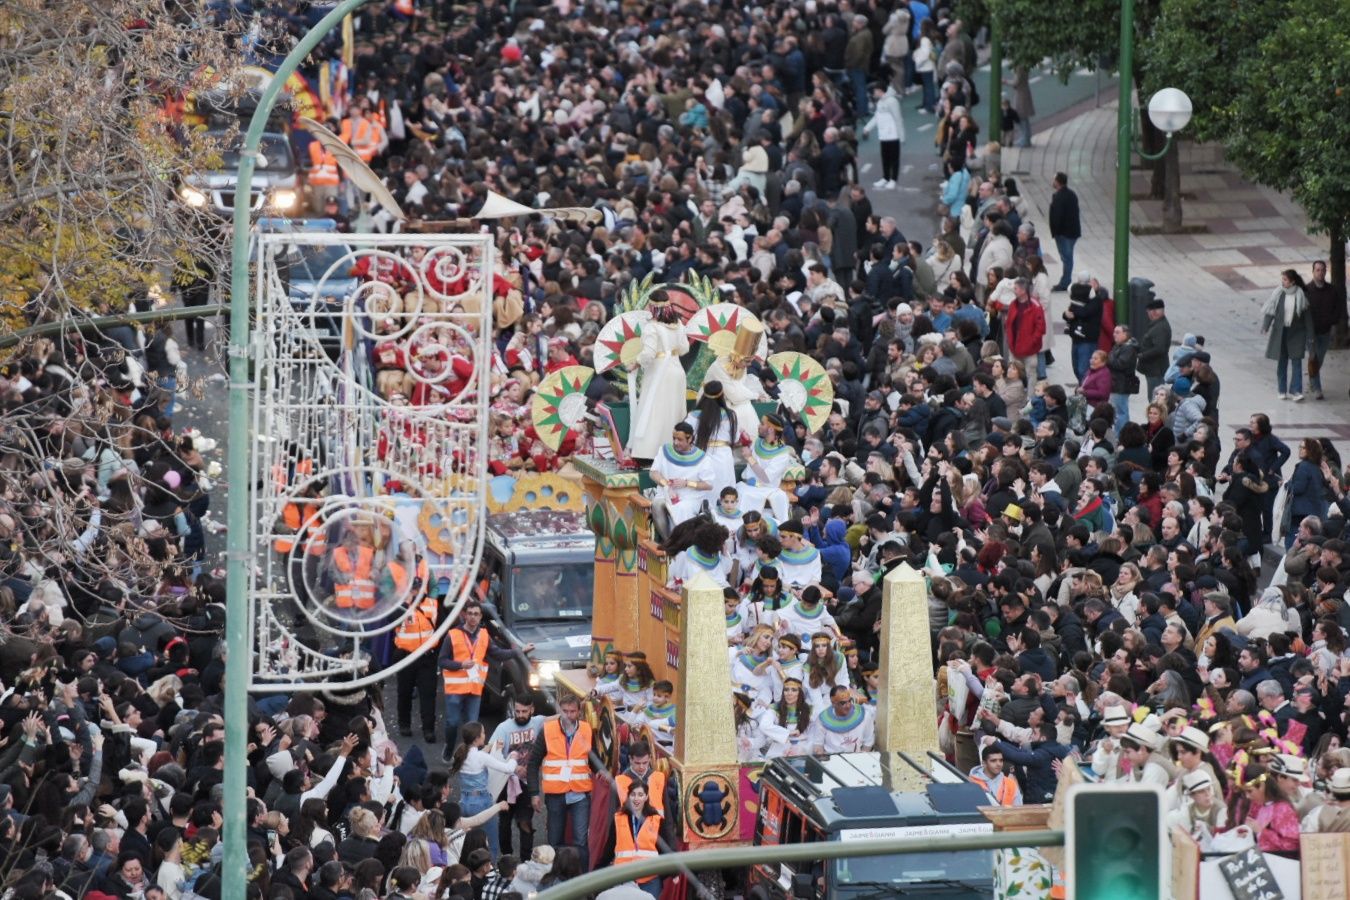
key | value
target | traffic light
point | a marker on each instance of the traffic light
(1116, 847)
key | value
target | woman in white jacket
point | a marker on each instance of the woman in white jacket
(890, 126)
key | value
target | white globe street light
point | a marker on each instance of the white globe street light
(1169, 110)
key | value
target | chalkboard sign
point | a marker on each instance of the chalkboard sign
(1249, 877)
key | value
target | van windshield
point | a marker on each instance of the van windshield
(972, 866)
(553, 591)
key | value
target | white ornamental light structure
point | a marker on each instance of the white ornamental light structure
(1170, 110)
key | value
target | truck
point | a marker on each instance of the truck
(867, 796)
(539, 569)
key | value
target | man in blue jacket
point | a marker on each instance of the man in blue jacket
(1037, 763)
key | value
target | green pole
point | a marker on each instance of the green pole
(239, 557)
(995, 81)
(744, 856)
(1124, 140)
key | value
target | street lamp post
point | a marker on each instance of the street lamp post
(239, 556)
(1169, 110)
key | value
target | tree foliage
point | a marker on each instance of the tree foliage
(1287, 122)
(1201, 46)
(1081, 35)
(89, 157)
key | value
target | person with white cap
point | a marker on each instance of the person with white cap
(1289, 772)
(1140, 747)
(1199, 813)
(1106, 754)
(1332, 816)
(1190, 751)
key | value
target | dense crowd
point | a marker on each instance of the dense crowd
(1100, 589)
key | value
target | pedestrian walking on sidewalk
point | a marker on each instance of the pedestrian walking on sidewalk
(890, 127)
(1327, 309)
(1066, 227)
(1285, 317)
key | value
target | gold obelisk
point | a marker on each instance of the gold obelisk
(906, 715)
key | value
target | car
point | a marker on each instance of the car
(301, 268)
(540, 567)
(276, 177)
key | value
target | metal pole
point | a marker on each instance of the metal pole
(745, 856)
(1124, 139)
(239, 557)
(995, 81)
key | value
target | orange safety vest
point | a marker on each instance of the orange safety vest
(1007, 790)
(418, 627)
(323, 171)
(470, 680)
(566, 767)
(293, 516)
(626, 849)
(362, 139)
(656, 789)
(359, 588)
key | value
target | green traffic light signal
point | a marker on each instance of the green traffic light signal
(1116, 846)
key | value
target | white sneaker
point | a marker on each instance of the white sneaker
(1284, 396)
(880, 184)
(1297, 398)
(890, 185)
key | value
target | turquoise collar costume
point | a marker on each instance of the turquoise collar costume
(751, 661)
(661, 712)
(675, 457)
(832, 722)
(704, 562)
(734, 619)
(764, 451)
(802, 557)
(632, 686)
(808, 614)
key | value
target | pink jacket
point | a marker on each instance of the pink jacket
(1096, 385)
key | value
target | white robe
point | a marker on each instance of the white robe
(756, 493)
(684, 567)
(740, 394)
(719, 455)
(859, 738)
(803, 570)
(684, 503)
(661, 404)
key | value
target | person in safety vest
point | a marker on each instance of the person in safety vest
(463, 662)
(639, 830)
(301, 526)
(363, 134)
(323, 177)
(660, 789)
(994, 778)
(354, 567)
(417, 629)
(559, 776)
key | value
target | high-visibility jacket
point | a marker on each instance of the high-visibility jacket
(629, 848)
(293, 516)
(323, 167)
(656, 789)
(418, 627)
(357, 587)
(1006, 795)
(364, 138)
(566, 767)
(470, 679)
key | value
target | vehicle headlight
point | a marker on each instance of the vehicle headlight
(545, 672)
(192, 197)
(284, 199)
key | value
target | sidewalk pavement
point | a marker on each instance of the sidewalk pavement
(1214, 283)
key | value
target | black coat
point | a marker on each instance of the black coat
(1064, 218)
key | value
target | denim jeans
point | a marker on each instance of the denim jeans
(579, 814)
(1065, 247)
(1082, 357)
(857, 79)
(1321, 344)
(1153, 384)
(473, 802)
(459, 709)
(929, 91)
(1040, 366)
(1282, 374)
(1122, 404)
